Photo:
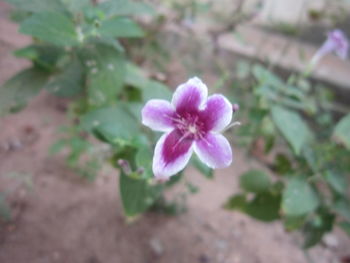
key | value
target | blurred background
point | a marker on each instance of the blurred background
(52, 210)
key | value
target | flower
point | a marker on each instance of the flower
(336, 42)
(191, 122)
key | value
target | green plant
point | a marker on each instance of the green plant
(307, 185)
(80, 51)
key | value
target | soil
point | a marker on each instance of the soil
(63, 218)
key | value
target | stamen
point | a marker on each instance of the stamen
(181, 139)
(178, 120)
(207, 142)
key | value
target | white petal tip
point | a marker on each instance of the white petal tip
(195, 80)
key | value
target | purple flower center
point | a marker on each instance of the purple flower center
(190, 125)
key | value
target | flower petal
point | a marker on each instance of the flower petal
(171, 154)
(337, 42)
(190, 96)
(158, 115)
(214, 150)
(341, 43)
(217, 113)
(342, 53)
(328, 46)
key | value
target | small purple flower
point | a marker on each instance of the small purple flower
(336, 42)
(191, 122)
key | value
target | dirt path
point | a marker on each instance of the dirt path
(64, 219)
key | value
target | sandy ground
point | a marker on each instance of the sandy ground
(65, 219)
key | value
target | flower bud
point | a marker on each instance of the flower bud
(235, 107)
(124, 164)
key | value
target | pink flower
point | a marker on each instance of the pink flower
(336, 42)
(191, 122)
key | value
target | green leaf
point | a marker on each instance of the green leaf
(156, 90)
(282, 165)
(294, 92)
(201, 167)
(115, 133)
(136, 194)
(299, 198)
(113, 124)
(342, 207)
(311, 158)
(19, 15)
(43, 55)
(52, 27)
(236, 202)
(292, 127)
(316, 228)
(151, 89)
(263, 75)
(135, 76)
(77, 146)
(140, 141)
(69, 82)
(98, 117)
(105, 77)
(76, 6)
(257, 114)
(143, 158)
(38, 5)
(108, 41)
(341, 132)
(21, 87)
(134, 108)
(312, 236)
(120, 27)
(337, 181)
(93, 15)
(269, 143)
(264, 206)
(255, 181)
(268, 128)
(266, 91)
(125, 7)
(133, 95)
(29, 52)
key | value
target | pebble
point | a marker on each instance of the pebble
(331, 241)
(221, 244)
(156, 246)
